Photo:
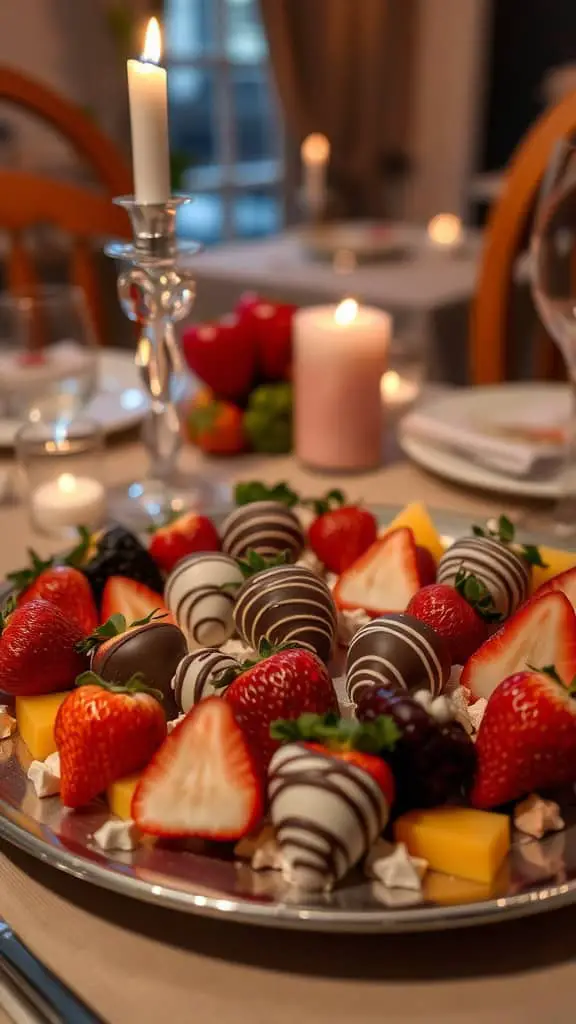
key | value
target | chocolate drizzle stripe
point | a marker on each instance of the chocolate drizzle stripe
(289, 830)
(412, 639)
(197, 558)
(207, 620)
(250, 534)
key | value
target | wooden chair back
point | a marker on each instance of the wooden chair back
(107, 163)
(490, 321)
(87, 217)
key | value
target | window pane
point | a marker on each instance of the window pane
(203, 219)
(257, 213)
(192, 99)
(255, 114)
(245, 41)
(189, 28)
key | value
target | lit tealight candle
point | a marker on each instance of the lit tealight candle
(397, 392)
(68, 501)
(148, 95)
(315, 153)
(445, 232)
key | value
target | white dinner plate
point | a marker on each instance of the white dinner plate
(495, 406)
(120, 403)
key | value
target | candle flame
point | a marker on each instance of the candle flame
(390, 383)
(315, 149)
(346, 312)
(445, 229)
(67, 483)
(152, 43)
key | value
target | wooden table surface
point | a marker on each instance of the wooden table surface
(135, 962)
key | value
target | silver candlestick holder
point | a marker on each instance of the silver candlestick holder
(156, 291)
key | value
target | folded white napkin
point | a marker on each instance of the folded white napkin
(515, 458)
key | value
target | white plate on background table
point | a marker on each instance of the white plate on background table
(205, 878)
(501, 406)
(119, 404)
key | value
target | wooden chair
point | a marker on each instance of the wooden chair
(107, 163)
(27, 200)
(490, 321)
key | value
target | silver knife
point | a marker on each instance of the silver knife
(47, 999)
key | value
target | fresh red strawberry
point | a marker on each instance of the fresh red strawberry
(527, 739)
(384, 578)
(202, 781)
(64, 586)
(222, 355)
(565, 582)
(286, 684)
(459, 614)
(426, 566)
(215, 426)
(104, 731)
(38, 650)
(271, 326)
(131, 599)
(542, 632)
(182, 535)
(341, 533)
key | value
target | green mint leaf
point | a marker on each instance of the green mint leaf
(532, 555)
(506, 530)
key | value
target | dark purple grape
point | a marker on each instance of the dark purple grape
(432, 763)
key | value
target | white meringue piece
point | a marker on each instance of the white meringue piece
(442, 710)
(117, 835)
(423, 698)
(172, 725)
(8, 723)
(331, 580)
(394, 868)
(350, 620)
(46, 782)
(238, 649)
(476, 712)
(52, 762)
(267, 857)
(535, 816)
(308, 560)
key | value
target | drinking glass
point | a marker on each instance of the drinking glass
(48, 355)
(553, 277)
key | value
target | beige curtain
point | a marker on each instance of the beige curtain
(343, 67)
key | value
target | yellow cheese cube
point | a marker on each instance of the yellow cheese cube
(119, 795)
(457, 840)
(417, 518)
(556, 561)
(36, 717)
(451, 891)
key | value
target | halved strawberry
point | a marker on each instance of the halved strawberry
(131, 599)
(384, 579)
(201, 782)
(565, 582)
(542, 632)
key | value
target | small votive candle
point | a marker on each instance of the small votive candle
(68, 501)
(445, 233)
(340, 356)
(61, 466)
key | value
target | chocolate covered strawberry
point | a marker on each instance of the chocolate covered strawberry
(39, 649)
(527, 738)
(62, 585)
(104, 731)
(330, 795)
(342, 532)
(283, 684)
(202, 781)
(542, 632)
(384, 579)
(461, 614)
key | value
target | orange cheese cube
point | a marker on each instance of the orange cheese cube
(556, 562)
(417, 518)
(457, 840)
(36, 717)
(119, 795)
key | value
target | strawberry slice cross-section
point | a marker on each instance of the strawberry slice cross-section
(385, 578)
(202, 782)
(542, 632)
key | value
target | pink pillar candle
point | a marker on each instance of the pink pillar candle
(340, 355)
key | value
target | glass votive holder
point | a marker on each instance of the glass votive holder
(61, 466)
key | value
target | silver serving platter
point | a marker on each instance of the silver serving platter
(206, 878)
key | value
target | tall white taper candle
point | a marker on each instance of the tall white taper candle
(148, 95)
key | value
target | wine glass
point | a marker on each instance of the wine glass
(553, 278)
(48, 355)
